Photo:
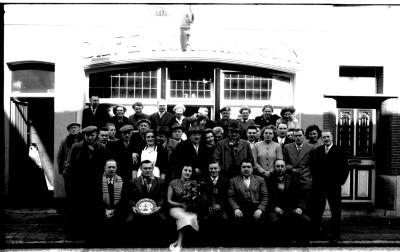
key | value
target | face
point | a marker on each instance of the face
(94, 101)
(282, 130)
(120, 112)
(234, 134)
(161, 138)
(218, 136)
(287, 115)
(268, 135)
(210, 138)
(177, 134)
(110, 168)
(179, 112)
(195, 138)
(290, 135)
(245, 114)
(143, 127)
(103, 136)
(111, 131)
(298, 137)
(313, 135)
(327, 138)
(246, 169)
(267, 112)
(150, 139)
(147, 169)
(73, 130)
(162, 107)
(251, 134)
(214, 169)
(280, 167)
(138, 110)
(126, 136)
(91, 137)
(225, 114)
(186, 172)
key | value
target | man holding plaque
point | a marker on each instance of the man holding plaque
(145, 195)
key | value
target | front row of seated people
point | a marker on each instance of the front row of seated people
(246, 206)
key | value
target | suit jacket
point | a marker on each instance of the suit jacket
(243, 127)
(167, 120)
(123, 155)
(224, 124)
(133, 119)
(287, 141)
(241, 197)
(217, 193)
(329, 169)
(260, 120)
(99, 118)
(300, 161)
(230, 158)
(136, 191)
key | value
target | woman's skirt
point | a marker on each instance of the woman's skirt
(184, 218)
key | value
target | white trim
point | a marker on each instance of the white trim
(29, 95)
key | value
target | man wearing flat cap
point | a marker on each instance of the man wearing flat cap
(225, 120)
(74, 136)
(121, 151)
(85, 168)
(230, 152)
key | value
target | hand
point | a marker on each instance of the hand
(135, 158)
(298, 211)
(278, 210)
(238, 213)
(135, 210)
(267, 173)
(257, 214)
(109, 213)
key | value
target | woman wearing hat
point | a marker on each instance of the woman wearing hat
(288, 118)
(180, 119)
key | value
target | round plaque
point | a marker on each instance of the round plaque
(146, 206)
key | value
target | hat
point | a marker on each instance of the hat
(181, 106)
(73, 124)
(233, 124)
(177, 126)
(163, 130)
(89, 129)
(143, 120)
(193, 129)
(126, 128)
(224, 109)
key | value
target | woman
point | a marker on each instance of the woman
(208, 139)
(218, 133)
(119, 119)
(157, 154)
(313, 134)
(182, 196)
(288, 118)
(266, 152)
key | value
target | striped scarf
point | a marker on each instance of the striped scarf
(117, 190)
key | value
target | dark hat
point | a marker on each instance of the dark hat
(163, 130)
(73, 124)
(224, 109)
(193, 129)
(89, 129)
(233, 124)
(177, 126)
(126, 128)
(144, 120)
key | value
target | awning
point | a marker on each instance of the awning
(360, 101)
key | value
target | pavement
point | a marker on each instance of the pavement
(44, 228)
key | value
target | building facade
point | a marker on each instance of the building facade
(336, 64)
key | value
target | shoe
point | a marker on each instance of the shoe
(174, 247)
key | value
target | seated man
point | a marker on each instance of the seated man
(289, 205)
(215, 189)
(248, 198)
(149, 187)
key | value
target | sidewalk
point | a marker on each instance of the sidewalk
(38, 228)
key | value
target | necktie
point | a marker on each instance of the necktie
(298, 149)
(147, 182)
(214, 181)
(326, 150)
(111, 193)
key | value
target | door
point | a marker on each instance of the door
(357, 136)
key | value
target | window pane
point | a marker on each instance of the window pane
(114, 82)
(249, 95)
(264, 84)
(153, 93)
(131, 82)
(138, 93)
(193, 85)
(249, 83)
(146, 93)
(234, 95)
(146, 83)
(138, 82)
(227, 84)
(122, 93)
(227, 94)
(201, 86)
(173, 85)
(153, 82)
(179, 94)
(234, 84)
(114, 93)
(200, 95)
(257, 95)
(179, 85)
(264, 95)
(131, 93)
(207, 94)
(242, 83)
(242, 95)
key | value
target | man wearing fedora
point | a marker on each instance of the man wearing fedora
(230, 152)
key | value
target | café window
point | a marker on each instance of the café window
(130, 84)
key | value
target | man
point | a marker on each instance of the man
(139, 137)
(112, 132)
(248, 198)
(74, 136)
(193, 153)
(103, 135)
(121, 151)
(225, 119)
(85, 169)
(297, 157)
(281, 138)
(230, 152)
(251, 135)
(267, 118)
(146, 186)
(329, 171)
(177, 132)
(162, 117)
(167, 143)
(289, 206)
(138, 115)
(94, 114)
(203, 111)
(245, 121)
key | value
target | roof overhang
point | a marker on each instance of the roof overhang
(360, 101)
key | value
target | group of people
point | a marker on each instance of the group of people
(261, 180)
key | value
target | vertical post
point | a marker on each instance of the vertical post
(217, 84)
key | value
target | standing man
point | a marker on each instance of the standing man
(138, 115)
(245, 121)
(162, 117)
(281, 138)
(225, 119)
(329, 171)
(94, 115)
(267, 118)
(252, 135)
(168, 144)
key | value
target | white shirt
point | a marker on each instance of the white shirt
(246, 182)
(281, 140)
(327, 148)
(214, 180)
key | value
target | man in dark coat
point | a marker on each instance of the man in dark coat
(138, 115)
(96, 114)
(267, 118)
(162, 117)
(329, 171)
(225, 120)
(281, 137)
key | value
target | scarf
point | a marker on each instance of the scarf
(117, 190)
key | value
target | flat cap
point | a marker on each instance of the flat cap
(177, 126)
(89, 129)
(226, 108)
(163, 130)
(144, 120)
(126, 128)
(73, 124)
